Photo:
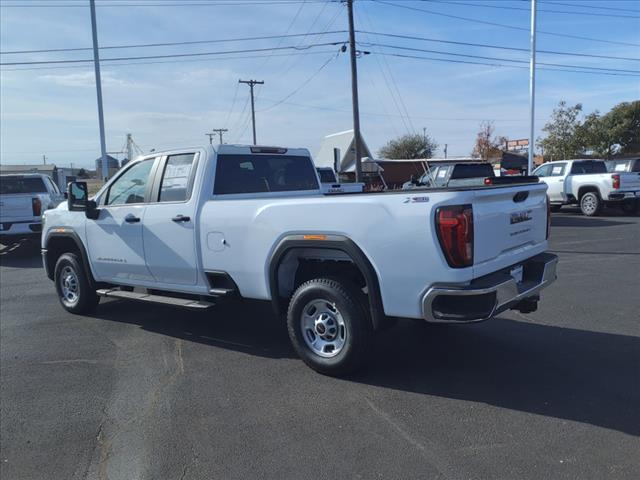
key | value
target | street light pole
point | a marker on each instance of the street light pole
(532, 88)
(354, 92)
(96, 63)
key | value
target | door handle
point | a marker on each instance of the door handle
(131, 219)
(181, 218)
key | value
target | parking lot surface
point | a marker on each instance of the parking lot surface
(146, 392)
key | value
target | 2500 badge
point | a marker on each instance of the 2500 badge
(519, 217)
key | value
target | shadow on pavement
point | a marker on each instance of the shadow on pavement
(576, 375)
(23, 253)
(570, 221)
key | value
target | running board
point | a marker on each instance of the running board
(158, 299)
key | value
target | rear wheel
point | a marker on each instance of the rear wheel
(590, 204)
(72, 284)
(328, 326)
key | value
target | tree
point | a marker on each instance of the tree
(82, 173)
(410, 146)
(618, 131)
(487, 144)
(564, 133)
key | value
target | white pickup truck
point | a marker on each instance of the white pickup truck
(191, 227)
(23, 198)
(588, 184)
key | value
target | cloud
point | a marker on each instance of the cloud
(86, 79)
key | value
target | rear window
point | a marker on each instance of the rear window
(514, 163)
(582, 168)
(326, 176)
(472, 171)
(264, 173)
(11, 185)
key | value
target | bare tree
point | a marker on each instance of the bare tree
(487, 143)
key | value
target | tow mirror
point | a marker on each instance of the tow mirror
(77, 196)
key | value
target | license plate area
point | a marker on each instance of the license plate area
(517, 273)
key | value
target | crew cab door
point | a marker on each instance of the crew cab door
(553, 175)
(169, 222)
(114, 239)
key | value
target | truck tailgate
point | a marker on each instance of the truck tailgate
(510, 225)
(629, 181)
(16, 206)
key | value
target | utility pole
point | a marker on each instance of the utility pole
(220, 131)
(44, 159)
(210, 135)
(445, 150)
(251, 84)
(129, 147)
(354, 92)
(96, 64)
(532, 87)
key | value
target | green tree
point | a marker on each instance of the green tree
(563, 139)
(410, 146)
(618, 131)
(82, 173)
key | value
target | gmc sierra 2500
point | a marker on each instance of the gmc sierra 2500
(187, 227)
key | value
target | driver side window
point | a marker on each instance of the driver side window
(130, 187)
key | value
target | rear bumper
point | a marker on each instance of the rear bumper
(487, 296)
(21, 227)
(623, 196)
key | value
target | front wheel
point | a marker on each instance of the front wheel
(590, 204)
(328, 326)
(631, 208)
(72, 284)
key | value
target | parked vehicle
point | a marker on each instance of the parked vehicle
(588, 184)
(23, 198)
(193, 227)
(623, 165)
(330, 184)
(453, 174)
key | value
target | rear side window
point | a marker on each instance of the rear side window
(472, 171)
(636, 166)
(11, 185)
(583, 168)
(264, 173)
(176, 179)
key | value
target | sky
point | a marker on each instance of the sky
(51, 109)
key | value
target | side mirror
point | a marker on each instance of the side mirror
(77, 196)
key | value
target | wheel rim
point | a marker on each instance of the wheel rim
(69, 285)
(323, 328)
(589, 203)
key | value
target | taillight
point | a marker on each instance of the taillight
(616, 181)
(488, 181)
(454, 225)
(36, 206)
(548, 217)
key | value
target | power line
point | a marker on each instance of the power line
(171, 44)
(176, 55)
(302, 85)
(500, 47)
(233, 3)
(448, 60)
(582, 5)
(512, 27)
(507, 7)
(483, 57)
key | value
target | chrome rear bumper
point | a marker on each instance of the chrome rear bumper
(487, 296)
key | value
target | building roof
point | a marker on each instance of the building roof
(344, 141)
(31, 168)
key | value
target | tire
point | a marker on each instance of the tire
(72, 284)
(631, 208)
(555, 208)
(590, 204)
(328, 326)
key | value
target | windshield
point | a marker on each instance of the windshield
(15, 184)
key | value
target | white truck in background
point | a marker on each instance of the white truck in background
(23, 199)
(192, 227)
(588, 184)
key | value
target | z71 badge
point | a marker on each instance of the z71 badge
(519, 217)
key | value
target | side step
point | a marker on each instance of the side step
(158, 299)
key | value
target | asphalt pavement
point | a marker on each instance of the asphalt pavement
(145, 392)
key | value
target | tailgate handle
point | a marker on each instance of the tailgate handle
(521, 196)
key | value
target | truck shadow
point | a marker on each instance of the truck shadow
(23, 253)
(570, 374)
(570, 221)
